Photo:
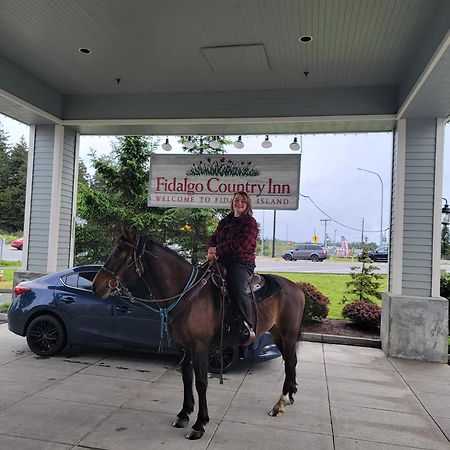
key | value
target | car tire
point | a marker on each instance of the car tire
(45, 335)
(288, 257)
(314, 258)
(230, 358)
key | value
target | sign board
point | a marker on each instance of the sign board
(209, 181)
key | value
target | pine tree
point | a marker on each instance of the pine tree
(13, 178)
(116, 197)
(365, 283)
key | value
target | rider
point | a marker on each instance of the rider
(233, 244)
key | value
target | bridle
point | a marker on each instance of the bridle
(132, 258)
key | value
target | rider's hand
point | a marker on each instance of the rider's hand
(212, 255)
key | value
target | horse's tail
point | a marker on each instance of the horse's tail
(303, 295)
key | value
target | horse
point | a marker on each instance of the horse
(197, 314)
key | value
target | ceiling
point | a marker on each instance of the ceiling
(224, 65)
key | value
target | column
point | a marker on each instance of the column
(51, 198)
(414, 320)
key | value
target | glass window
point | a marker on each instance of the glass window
(81, 280)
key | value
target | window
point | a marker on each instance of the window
(81, 280)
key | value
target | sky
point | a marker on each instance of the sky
(329, 177)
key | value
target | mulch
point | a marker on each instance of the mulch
(339, 328)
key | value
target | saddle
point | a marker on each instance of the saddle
(262, 286)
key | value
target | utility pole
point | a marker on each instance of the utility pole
(262, 235)
(362, 233)
(325, 237)
(273, 237)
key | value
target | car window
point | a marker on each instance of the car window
(80, 280)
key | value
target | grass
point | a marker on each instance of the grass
(331, 285)
(8, 267)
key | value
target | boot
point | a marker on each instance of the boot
(247, 333)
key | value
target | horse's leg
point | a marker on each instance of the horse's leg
(200, 361)
(289, 343)
(276, 337)
(188, 401)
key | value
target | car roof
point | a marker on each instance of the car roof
(61, 273)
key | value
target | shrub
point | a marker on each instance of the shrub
(365, 314)
(445, 291)
(316, 304)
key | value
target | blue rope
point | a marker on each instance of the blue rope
(164, 312)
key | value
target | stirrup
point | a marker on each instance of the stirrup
(248, 336)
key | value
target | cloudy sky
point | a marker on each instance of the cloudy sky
(329, 177)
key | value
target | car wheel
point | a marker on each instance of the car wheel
(287, 257)
(45, 335)
(20, 248)
(314, 258)
(230, 358)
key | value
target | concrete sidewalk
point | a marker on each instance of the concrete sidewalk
(349, 398)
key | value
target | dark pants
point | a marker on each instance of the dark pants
(238, 275)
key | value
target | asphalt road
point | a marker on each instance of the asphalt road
(279, 265)
(10, 254)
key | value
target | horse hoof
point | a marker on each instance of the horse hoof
(276, 412)
(193, 435)
(180, 423)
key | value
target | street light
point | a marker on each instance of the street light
(381, 218)
(445, 213)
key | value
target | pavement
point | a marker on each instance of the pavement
(349, 398)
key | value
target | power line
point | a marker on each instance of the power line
(337, 221)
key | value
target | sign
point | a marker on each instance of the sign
(209, 181)
(315, 239)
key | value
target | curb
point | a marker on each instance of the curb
(343, 340)
(5, 291)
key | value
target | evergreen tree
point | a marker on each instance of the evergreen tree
(13, 178)
(365, 283)
(116, 197)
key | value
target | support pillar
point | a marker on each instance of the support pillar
(414, 321)
(50, 199)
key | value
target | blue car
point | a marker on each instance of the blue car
(60, 310)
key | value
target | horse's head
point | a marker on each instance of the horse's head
(123, 257)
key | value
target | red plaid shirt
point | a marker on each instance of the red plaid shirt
(235, 239)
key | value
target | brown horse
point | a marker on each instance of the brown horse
(196, 314)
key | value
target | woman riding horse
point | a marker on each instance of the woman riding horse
(191, 303)
(233, 244)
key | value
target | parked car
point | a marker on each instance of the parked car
(313, 252)
(18, 243)
(60, 309)
(380, 254)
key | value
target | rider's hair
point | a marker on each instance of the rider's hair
(248, 200)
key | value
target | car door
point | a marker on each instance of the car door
(136, 325)
(88, 318)
(299, 252)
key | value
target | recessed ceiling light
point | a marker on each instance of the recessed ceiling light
(305, 39)
(86, 51)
